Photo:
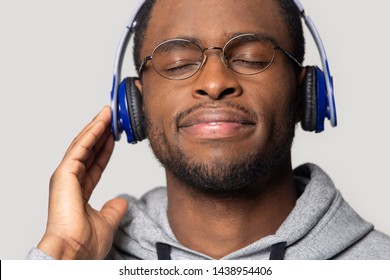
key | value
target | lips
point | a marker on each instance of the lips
(214, 123)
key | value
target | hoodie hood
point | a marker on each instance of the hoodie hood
(321, 226)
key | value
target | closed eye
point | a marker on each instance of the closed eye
(258, 64)
(179, 67)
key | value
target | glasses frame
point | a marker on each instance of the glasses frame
(203, 57)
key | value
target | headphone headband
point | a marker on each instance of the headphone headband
(324, 60)
(117, 77)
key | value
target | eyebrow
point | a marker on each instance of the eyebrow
(261, 36)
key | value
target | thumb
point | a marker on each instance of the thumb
(114, 210)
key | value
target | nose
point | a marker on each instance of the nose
(215, 80)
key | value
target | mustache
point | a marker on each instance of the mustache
(214, 105)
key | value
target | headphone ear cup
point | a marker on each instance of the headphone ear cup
(309, 100)
(134, 101)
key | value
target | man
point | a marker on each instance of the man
(223, 130)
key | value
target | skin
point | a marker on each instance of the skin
(215, 225)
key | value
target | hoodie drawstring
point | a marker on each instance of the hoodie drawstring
(277, 251)
(163, 251)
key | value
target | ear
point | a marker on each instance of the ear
(138, 84)
(298, 94)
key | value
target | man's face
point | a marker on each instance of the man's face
(219, 131)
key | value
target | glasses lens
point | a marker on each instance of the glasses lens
(249, 54)
(177, 59)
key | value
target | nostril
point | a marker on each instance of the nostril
(228, 91)
(201, 92)
(222, 94)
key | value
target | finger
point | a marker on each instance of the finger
(114, 210)
(104, 115)
(97, 168)
(72, 170)
(84, 146)
(96, 149)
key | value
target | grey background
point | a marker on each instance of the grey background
(56, 60)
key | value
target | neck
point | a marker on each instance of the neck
(218, 226)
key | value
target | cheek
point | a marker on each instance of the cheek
(160, 105)
(283, 91)
(274, 99)
(271, 100)
(154, 112)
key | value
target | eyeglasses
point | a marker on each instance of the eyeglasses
(246, 54)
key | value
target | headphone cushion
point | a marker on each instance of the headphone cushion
(134, 101)
(309, 100)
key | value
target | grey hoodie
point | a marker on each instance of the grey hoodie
(321, 226)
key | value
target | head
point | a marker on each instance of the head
(218, 131)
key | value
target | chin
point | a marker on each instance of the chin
(223, 175)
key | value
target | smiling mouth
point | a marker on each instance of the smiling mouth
(216, 123)
(216, 130)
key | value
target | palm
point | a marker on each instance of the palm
(82, 230)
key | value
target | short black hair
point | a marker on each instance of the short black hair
(143, 18)
(290, 13)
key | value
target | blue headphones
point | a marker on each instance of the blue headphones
(126, 103)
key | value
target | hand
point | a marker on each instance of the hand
(74, 229)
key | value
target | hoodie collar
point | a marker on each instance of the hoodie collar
(320, 226)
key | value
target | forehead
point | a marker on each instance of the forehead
(213, 21)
